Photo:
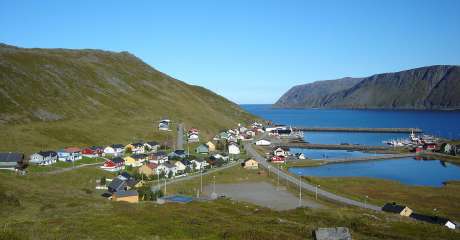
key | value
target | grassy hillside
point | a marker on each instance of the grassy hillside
(52, 98)
(66, 206)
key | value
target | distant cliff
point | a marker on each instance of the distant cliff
(433, 87)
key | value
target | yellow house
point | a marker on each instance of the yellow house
(148, 169)
(130, 161)
(251, 164)
(399, 209)
(211, 146)
(130, 196)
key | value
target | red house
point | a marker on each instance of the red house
(92, 152)
(278, 159)
(430, 146)
(113, 165)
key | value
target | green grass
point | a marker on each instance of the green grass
(66, 206)
(60, 165)
(100, 98)
(445, 199)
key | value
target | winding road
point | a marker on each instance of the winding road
(180, 137)
(304, 185)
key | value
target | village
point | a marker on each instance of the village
(143, 169)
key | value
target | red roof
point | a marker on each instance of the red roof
(72, 149)
(88, 151)
(152, 165)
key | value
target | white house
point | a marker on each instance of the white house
(263, 142)
(193, 137)
(280, 152)
(219, 156)
(232, 138)
(115, 150)
(168, 167)
(69, 154)
(199, 164)
(151, 146)
(233, 149)
(180, 167)
(44, 158)
(136, 148)
(164, 124)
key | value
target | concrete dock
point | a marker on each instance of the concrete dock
(334, 146)
(369, 130)
(368, 158)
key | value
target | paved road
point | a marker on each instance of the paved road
(180, 137)
(175, 180)
(304, 185)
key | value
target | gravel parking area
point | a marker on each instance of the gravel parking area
(262, 194)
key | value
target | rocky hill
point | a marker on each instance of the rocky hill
(58, 97)
(433, 87)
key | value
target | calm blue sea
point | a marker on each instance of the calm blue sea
(440, 123)
(434, 172)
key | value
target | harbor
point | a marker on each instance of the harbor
(369, 130)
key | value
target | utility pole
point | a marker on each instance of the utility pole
(300, 191)
(201, 178)
(365, 201)
(316, 191)
(278, 177)
(214, 186)
(165, 186)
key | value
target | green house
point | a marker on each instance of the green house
(202, 149)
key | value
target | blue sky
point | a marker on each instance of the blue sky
(247, 51)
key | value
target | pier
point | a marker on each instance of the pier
(334, 146)
(368, 130)
(369, 158)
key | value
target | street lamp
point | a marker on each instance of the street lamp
(316, 191)
(201, 178)
(300, 191)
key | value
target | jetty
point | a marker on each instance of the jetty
(334, 146)
(368, 158)
(368, 130)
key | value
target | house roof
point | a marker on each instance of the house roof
(152, 165)
(168, 165)
(126, 175)
(179, 152)
(47, 153)
(139, 156)
(11, 157)
(117, 184)
(393, 207)
(117, 145)
(430, 219)
(72, 149)
(138, 144)
(128, 193)
(94, 148)
(117, 160)
(185, 162)
(152, 143)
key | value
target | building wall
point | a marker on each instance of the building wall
(130, 199)
(406, 212)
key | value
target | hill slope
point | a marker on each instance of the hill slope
(56, 97)
(433, 87)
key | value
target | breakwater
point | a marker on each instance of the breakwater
(334, 146)
(370, 130)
